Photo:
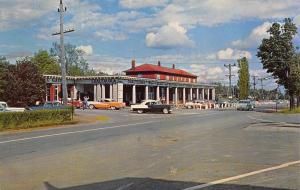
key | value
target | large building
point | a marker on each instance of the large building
(143, 82)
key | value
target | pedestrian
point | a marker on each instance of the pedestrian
(85, 102)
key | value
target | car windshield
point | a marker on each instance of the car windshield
(4, 105)
(244, 102)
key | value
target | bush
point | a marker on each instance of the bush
(28, 119)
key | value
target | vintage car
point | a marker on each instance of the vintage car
(245, 105)
(98, 105)
(11, 109)
(113, 104)
(151, 106)
(48, 106)
(75, 103)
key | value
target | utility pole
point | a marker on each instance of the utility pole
(61, 11)
(262, 85)
(229, 66)
(254, 85)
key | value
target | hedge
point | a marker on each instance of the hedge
(28, 119)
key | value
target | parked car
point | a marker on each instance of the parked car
(75, 103)
(196, 104)
(113, 104)
(12, 109)
(98, 105)
(48, 105)
(2, 108)
(245, 105)
(151, 106)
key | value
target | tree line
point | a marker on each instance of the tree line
(22, 83)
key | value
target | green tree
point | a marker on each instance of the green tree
(46, 64)
(295, 77)
(3, 70)
(244, 78)
(75, 63)
(26, 84)
(277, 54)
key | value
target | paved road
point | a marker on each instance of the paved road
(190, 149)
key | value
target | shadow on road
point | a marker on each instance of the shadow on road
(153, 184)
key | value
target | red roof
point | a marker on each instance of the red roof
(159, 69)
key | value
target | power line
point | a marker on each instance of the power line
(61, 11)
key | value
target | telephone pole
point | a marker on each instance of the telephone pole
(262, 85)
(229, 66)
(61, 11)
(254, 85)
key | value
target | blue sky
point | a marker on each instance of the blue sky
(196, 35)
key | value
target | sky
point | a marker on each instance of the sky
(199, 36)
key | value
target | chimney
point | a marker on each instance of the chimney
(173, 66)
(133, 64)
(158, 63)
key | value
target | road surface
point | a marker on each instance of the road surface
(190, 149)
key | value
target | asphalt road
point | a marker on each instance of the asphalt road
(190, 149)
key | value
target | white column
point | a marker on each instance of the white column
(119, 92)
(110, 91)
(176, 96)
(208, 94)
(191, 94)
(157, 93)
(168, 95)
(103, 91)
(213, 94)
(146, 92)
(95, 92)
(202, 93)
(133, 94)
(197, 95)
(75, 91)
(183, 95)
(98, 91)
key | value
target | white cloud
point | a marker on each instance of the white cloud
(230, 54)
(17, 13)
(208, 74)
(297, 21)
(169, 36)
(133, 4)
(86, 49)
(255, 37)
(215, 12)
(106, 35)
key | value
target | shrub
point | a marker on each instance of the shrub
(28, 119)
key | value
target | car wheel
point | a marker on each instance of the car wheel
(91, 107)
(140, 111)
(165, 111)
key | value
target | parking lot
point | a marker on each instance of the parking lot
(189, 149)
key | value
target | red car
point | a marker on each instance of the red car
(75, 103)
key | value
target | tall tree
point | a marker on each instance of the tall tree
(3, 71)
(244, 78)
(75, 62)
(277, 54)
(46, 64)
(26, 84)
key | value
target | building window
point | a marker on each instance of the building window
(167, 77)
(158, 77)
(189, 79)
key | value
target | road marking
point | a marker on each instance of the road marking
(243, 175)
(75, 132)
(83, 131)
(125, 186)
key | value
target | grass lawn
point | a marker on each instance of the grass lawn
(288, 111)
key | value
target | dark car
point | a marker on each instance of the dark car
(151, 106)
(49, 105)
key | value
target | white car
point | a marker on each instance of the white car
(12, 109)
(151, 106)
